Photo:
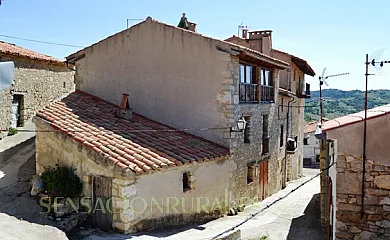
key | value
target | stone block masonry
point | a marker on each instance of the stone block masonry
(38, 83)
(375, 223)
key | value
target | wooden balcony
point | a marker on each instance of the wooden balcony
(249, 93)
(267, 94)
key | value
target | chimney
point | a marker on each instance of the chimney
(244, 33)
(261, 41)
(124, 110)
(184, 23)
(192, 26)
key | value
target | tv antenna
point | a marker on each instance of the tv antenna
(130, 20)
(322, 79)
(375, 65)
(240, 27)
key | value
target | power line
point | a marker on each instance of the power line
(127, 131)
(44, 42)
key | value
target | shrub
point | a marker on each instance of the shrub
(62, 182)
(12, 131)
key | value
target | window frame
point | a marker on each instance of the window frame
(281, 137)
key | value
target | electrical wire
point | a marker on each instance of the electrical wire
(44, 42)
(127, 130)
(269, 205)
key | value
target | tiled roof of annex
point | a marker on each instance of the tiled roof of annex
(140, 144)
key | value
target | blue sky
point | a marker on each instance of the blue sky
(332, 34)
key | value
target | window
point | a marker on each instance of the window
(250, 174)
(247, 130)
(267, 89)
(317, 158)
(64, 84)
(248, 86)
(266, 77)
(188, 181)
(265, 135)
(305, 141)
(281, 136)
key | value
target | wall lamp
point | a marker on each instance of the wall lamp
(241, 124)
(319, 134)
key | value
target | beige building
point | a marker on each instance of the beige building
(355, 217)
(185, 80)
(39, 79)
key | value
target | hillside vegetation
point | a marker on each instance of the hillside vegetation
(338, 103)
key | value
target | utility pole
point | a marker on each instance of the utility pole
(367, 63)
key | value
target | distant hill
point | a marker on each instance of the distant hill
(339, 103)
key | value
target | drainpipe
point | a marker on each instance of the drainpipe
(326, 181)
(285, 146)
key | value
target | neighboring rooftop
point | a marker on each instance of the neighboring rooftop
(349, 119)
(12, 49)
(139, 144)
(301, 63)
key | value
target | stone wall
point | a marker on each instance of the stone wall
(38, 82)
(245, 154)
(375, 223)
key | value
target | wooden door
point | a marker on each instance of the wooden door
(102, 214)
(263, 179)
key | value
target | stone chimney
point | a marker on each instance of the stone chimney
(261, 41)
(244, 33)
(184, 23)
(124, 110)
(192, 26)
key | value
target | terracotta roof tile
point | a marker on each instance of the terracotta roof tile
(12, 49)
(92, 122)
(349, 119)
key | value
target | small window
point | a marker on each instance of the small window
(247, 130)
(186, 181)
(305, 141)
(251, 174)
(281, 136)
(317, 158)
(64, 84)
(282, 104)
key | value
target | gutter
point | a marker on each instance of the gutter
(285, 146)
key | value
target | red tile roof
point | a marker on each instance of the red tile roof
(12, 49)
(349, 119)
(140, 144)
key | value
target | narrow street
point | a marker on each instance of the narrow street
(295, 217)
(18, 210)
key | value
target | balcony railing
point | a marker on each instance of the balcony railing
(267, 93)
(265, 145)
(304, 93)
(248, 93)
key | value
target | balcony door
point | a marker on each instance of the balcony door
(248, 84)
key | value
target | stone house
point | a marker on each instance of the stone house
(39, 79)
(184, 80)
(360, 205)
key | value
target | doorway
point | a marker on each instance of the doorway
(263, 179)
(102, 204)
(16, 107)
